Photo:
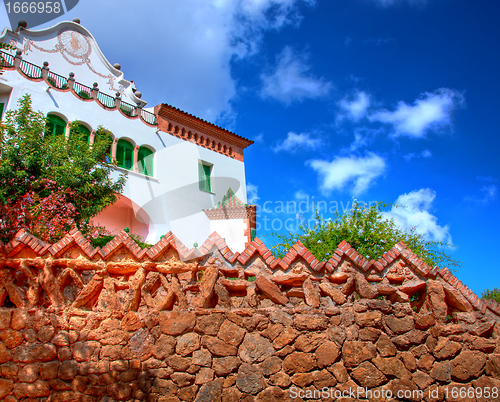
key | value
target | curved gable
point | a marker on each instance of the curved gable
(69, 47)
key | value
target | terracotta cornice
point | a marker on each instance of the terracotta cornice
(230, 213)
(174, 114)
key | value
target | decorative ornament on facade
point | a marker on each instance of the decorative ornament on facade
(74, 44)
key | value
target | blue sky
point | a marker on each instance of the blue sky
(378, 100)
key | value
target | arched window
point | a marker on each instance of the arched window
(55, 125)
(82, 132)
(145, 161)
(125, 154)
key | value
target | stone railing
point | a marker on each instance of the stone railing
(168, 323)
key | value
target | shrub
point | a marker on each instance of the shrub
(364, 228)
(491, 294)
(49, 184)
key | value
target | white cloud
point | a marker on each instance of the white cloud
(431, 112)
(363, 137)
(354, 174)
(252, 193)
(424, 154)
(301, 195)
(259, 139)
(297, 142)
(187, 46)
(291, 81)
(412, 210)
(486, 194)
(490, 192)
(355, 109)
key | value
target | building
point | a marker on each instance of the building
(181, 169)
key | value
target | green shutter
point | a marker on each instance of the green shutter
(1, 110)
(125, 154)
(55, 125)
(59, 129)
(253, 234)
(207, 170)
(120, 153)
(145, 161)
(149, 164)
(201, 177)
(204, 176)
(129, 158)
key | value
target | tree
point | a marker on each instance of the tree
(364, 228)
(491, 294)
(48, 183)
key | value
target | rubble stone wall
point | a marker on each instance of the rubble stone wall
(171, 324)
(262, 354)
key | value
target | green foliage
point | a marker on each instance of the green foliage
(4, 46)
(127, 112)
(84, 95)
(491, 294)
(29, 153)
(52, 82)
(102, 240)
(364, 228)
(140, 241)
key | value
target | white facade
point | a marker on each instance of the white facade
(168, 200)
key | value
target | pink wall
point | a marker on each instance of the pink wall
(124, 213)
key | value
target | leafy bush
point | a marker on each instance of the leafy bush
(102, 239)
(364, 228)
(49, 184)
(491, 294)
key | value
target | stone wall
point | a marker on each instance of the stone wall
(170, 324)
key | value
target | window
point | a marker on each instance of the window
(145, 161)
(125, 154)
(82, 132)
(205, 171)
(55, 125)
(2, 105)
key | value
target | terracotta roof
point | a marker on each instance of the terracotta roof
(180, 116)
(231, 207)
(230, 200)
